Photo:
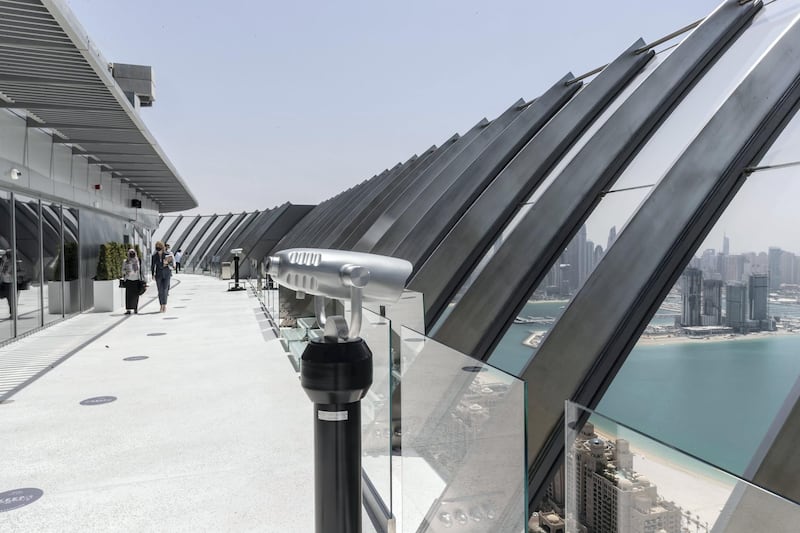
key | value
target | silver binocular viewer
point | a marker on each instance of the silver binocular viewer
(340, 274)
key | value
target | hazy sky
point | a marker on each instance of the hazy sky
(262, 102)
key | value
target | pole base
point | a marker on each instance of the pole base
(335, 376)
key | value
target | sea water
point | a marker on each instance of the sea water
(712, 398)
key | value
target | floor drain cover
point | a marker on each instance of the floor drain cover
(171, 318)
(98, 400)
(186, 299)
(155, 334)
(180, 307)
(14, 499)
(473, 368)
(135, 358)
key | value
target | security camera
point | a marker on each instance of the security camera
(236, 251)
(340, 275)
(15, 173)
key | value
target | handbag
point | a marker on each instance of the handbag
(122, 284)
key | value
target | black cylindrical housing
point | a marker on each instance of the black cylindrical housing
(336, 376)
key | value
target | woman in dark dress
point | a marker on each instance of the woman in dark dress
(161, 269)
(132, 275)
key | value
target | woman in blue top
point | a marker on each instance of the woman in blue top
(161, 269)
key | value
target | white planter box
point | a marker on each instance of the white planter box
(72, 295)
(108, 296)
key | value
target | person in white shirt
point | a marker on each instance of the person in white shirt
(178, 256)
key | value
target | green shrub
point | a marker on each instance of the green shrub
(110, 259)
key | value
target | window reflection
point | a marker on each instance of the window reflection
(6, 268)
(29, 264)
(51, 249)
(71, 263)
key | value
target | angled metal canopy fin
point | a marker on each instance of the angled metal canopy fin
(626, 289)
(393, 210)
(441, 217)
(457, 255)
(504, 285)
(424, 198)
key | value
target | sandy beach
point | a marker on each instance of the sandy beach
(651, 340)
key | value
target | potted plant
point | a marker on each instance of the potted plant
(108, 296)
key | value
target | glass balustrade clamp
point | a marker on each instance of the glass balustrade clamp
(336, 370)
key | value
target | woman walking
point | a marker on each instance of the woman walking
(132, 275)
(161, 269)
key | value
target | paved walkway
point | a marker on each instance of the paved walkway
(211, 432)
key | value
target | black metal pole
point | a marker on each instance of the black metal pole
(236, 271)
(336, 376)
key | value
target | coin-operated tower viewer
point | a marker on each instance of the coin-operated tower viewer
(336, 371)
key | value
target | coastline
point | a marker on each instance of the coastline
(533, 340)
(659, 340)
(694, 486)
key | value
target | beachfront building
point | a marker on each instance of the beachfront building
(611, 496)
(493, 215)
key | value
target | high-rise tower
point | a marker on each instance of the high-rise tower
(692, 287)
(758, 292)
(736, 304)
(712, 302)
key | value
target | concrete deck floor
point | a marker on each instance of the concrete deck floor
(211, 432)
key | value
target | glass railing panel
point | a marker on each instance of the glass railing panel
(617, 479)
(295, 336)
(376, 407)
(463, 442)
(408, 311)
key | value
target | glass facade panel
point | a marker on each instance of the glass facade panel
(189, 237)
(51, 260)
(699, 105)
(29, 263)
(180, 231)
(620, 480)
(555, 172)
(723, 344)
(463, 442)
(6, 268)
(564, 279)
(576, 263)
(72, 263)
